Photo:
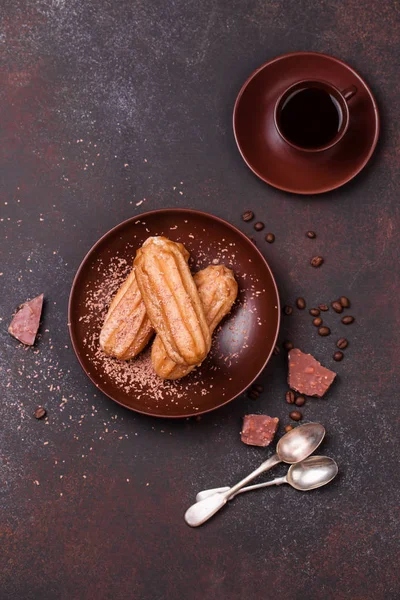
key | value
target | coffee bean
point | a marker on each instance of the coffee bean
(347, 320)
(287, 309)
(259, 226)
(296, 415)
(337, 307)
(277, 350)
(317, 261)
(324, 331)
(257, 387)
(290, 397)
(311, 234)
(301, 303)
(345, 302)
(342, 343)
(253, 394)
(270, 238)
(317, 322)
(248, 215)
(288, 346)
(288, 428)
(323, 307)
(300, 401)
(39, 413)
(338, 355)
(314, 312)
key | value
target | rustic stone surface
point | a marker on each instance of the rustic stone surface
(112, 108)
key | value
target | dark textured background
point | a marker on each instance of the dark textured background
(107, 103)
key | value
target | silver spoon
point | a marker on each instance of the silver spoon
(292, 448)
(311, 473)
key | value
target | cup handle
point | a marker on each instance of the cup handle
(349, 92)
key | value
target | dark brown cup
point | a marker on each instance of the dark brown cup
(342, 98)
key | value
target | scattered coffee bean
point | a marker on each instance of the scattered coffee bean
(324, 331)
(287, 309)
(248, 215)
(288, 346)
(39, 413)
(290, 397)
(317, 322)
(345, 302)
(277, 350)
(347, 320)
(323, 307)
(317, 261)
(300, 401)
(257, 387)
(259, 226)
(337, 307)
(311, 234)
(296, 415)
(342, 343)
(198, 418)
(253, 394)
(301, 303)
(270, 238)
(315, 312)
(338, 356)
(288, 428)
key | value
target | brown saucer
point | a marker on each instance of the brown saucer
(242, 344)
(286, 168)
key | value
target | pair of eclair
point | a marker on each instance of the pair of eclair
(161, 295)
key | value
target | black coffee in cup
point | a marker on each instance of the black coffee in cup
(310, 117)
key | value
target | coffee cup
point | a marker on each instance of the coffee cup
(313, 115)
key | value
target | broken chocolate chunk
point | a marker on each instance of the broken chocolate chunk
(259, 430)
(307, 375)
(25, 323)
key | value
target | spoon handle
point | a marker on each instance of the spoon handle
(248, 488)
(201, 511)
(265, 466)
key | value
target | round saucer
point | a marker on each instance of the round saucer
(272, 159)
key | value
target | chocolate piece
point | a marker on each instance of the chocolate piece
(259, 430)
(25, 323)
(307, 375)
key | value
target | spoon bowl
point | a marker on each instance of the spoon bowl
(312, 473)
(299, 443)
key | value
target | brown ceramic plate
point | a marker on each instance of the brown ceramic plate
(242, 345)
(274, 161)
